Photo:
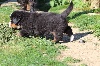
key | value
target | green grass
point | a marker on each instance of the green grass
(5, 13)
(86, 22)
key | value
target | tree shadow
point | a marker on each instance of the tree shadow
(6, 1)
(77, 36)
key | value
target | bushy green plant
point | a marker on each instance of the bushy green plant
(97, 10)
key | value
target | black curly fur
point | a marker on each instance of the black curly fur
(43, 24)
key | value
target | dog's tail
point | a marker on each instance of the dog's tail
(68, 10)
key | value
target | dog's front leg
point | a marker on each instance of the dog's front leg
(23, 33)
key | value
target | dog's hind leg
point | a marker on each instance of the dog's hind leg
(69, 32)
(57, 36)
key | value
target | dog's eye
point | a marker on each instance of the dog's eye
(15, 20)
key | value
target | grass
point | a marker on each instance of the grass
(86, 22)
(5, 13)
(25, 52)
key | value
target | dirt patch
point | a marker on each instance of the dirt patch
(88, 52)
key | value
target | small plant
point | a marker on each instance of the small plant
(63, 47)
(71, 60)
(83, 64)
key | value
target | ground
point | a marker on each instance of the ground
(87, 52)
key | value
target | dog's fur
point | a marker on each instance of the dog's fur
(42, 24)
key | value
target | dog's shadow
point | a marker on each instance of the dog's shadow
(77, 36)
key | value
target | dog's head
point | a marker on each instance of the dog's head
(15, 19)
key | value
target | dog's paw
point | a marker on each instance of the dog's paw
(72, 38)
(18, 34)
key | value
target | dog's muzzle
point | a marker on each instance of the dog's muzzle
(12, 25)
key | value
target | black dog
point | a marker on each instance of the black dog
(34, 5)
(28, 5)
(42, 24)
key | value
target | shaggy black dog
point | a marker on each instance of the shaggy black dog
(42, 24)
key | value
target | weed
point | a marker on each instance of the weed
(71, 60)
(83, 64)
